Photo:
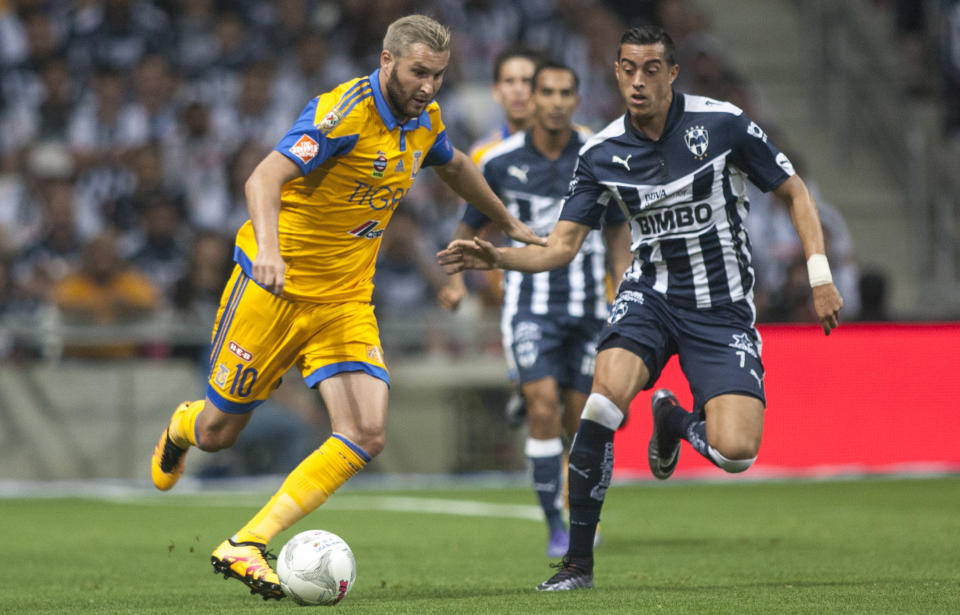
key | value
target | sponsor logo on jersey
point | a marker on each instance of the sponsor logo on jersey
(755, 131)
(697, 138)
(673, 219)
(305, 149)
(330, 120)
(624, 161)
(784, 163)
(380, 164)
(518, 172)
(654, 196)
(237, 349)
(367, 230)
(399, 167)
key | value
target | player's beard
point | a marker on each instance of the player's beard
(404, 103)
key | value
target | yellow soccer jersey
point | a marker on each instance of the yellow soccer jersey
(357, 161)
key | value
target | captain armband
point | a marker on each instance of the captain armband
(818, 270)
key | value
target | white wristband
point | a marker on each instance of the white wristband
(818, 270)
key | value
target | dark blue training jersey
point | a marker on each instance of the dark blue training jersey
(533, 188)
(685, 197)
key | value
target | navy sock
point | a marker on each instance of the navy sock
(547, 474)
(696, 435)
(678, 421)
(590, 469)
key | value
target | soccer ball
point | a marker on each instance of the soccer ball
(316, 567)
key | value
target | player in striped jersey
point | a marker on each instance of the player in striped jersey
(300, 292)
(676, 165)
(512, 71)
(551, 320)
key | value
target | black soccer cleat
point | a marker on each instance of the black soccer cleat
(663, 453)
(574, 573)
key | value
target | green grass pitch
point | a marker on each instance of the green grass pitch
(863, 546)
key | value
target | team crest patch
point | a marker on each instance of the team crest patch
(330, 120)
(373, 353)
(697, 138)
(415, 167)
(380, 164)
(305, 149)
(223, 372)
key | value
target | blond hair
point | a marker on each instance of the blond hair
(412, 29)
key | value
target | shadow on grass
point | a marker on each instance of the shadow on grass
(693, 587)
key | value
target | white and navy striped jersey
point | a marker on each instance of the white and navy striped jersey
(684, 195)
(532, 187)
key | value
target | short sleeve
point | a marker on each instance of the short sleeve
(440, 153)
(307, 146)
(754, 153)
(584, 203)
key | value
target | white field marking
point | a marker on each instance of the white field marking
(392, 503)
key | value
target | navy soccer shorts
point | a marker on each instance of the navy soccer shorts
(718, 348)
(564, 348)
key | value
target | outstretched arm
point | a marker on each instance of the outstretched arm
(463, 176)
(562, 245)
(803, 212)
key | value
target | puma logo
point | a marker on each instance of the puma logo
(583, 473)
(624, 161)
(518, 172)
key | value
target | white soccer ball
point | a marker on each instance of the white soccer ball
(316, 567)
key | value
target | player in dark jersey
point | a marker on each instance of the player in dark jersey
(551, 319)
(512, 73)
(676, 165)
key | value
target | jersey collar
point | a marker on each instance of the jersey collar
(573, 144)
(387, 116)
(673, 117)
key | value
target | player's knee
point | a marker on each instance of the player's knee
(371, 440)
(732, 465)
(735, 455)
(543, 416)
(737, 445)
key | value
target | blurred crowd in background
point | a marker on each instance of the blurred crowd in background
(128, 129)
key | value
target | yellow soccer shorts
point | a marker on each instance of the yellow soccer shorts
(258, 336)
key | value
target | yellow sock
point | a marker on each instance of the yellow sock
(305, 488)
(183, 424)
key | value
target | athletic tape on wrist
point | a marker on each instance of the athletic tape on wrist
(818, 270)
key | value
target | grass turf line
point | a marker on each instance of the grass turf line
(866, 546)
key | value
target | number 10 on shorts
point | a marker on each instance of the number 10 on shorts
(242, 380)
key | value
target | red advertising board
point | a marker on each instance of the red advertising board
(870, 398)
